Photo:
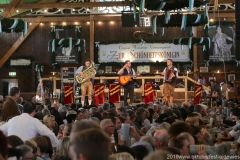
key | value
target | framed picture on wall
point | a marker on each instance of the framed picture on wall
(203, 69)
(108, 69)
(231, 78)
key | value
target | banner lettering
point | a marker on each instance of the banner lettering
(149, 93)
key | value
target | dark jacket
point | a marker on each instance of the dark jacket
(10, 109)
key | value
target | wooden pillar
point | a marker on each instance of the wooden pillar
(92, 37)
(195, 55)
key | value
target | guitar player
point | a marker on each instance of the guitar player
(170, 74)
(129, 87)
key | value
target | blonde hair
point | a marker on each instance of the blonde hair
(31, 143)
(122, 156)
(45, 112)
(47, 120)
(62, 148)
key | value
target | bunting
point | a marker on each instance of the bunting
(114, 92)
(99, 97)
(149, 93)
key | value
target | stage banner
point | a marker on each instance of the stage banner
(68, 93)
(149, 93)
(143, 52)
(114, 92)
(98, 93)
(197, 93)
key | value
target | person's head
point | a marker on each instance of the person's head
(181, 143)
(1, 98)
(178, 127)
(31, 143)
(169, 62)
(148, 139)
(49, 121)
(3, 145)
(14, 141)
(173, 150)
(116, 121)
(198, 134)
(62, 147)
(71, 116)
(140, 152)
(128, 63)
(121, 110)
(29, 107)
(27, 152)
(82, 125)
(122, 156)
(86, 114)
(219, 30)
(67, 130)
(192, 121)
(189, 138)
(42, 145)
(87, 62)
(15, 93)
(90, 144)
(212, 82)
(161, 139)
(124, 148)
(107, 126)
(126, 118)
(79, 116)
(106, 107)
(200, 109)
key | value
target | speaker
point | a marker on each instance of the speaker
(128, 19)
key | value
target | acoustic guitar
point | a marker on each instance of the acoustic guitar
(124, 79)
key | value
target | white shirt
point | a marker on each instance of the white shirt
(26, 127)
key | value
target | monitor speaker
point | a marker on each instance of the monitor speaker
(128, 19)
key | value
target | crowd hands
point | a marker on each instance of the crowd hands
(155, 131)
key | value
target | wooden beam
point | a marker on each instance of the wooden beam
(19, 41)
(75, 18)
(68, 5)
(222, 1)
(92, 37)
(9, 8)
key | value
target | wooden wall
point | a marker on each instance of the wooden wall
(36, 46)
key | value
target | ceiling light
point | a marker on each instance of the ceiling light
(17, 10)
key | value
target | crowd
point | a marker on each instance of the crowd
(151, 131)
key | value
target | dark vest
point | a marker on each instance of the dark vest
(125, 72)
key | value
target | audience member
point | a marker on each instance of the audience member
(10, 108)
(14, 141)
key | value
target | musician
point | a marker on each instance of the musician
(87, 86)
(170, 74)
(129, 87)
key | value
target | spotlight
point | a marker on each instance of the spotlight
(17, 10)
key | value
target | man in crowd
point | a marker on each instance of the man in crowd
(27, 127)
(10, 107)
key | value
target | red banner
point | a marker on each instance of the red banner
(98, 93)
(149, 93)
(114, 92)
(197, 93)
(68, 93)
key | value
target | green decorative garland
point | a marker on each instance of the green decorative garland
(96, 55)
(205, 41)
(176, 20)
(56, 43)
(13, 25)
(168, 5)
(53, 30)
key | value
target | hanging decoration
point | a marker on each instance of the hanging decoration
(180, 20)
(40, 91)
(55, 28)
(9, 25)
(68, 42)
(170, 5)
